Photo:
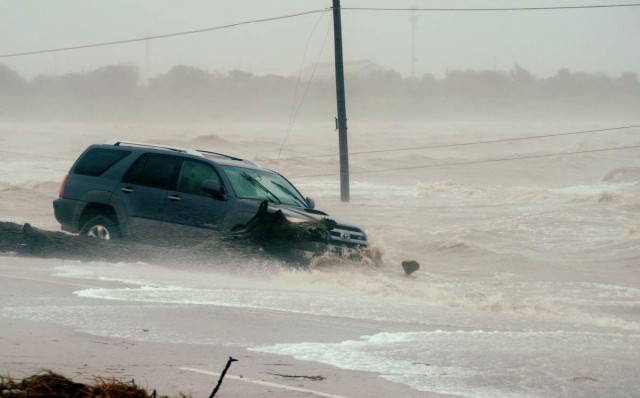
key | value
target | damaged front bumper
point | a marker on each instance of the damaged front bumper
(273, 230)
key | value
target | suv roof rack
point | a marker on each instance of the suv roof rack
(228, 157)
(157, 146)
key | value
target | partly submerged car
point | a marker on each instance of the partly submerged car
(153, 193)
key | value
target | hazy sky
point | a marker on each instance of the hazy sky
(592, 40)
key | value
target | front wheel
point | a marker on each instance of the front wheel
(100, 227)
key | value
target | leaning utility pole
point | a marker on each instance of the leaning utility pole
(341, 121)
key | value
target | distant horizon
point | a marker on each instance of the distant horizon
(597, 40)
(118, 92)
(313, 67)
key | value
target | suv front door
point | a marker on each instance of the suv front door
(188, 205)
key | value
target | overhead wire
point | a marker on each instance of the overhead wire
(471, 162)
(549, 8)
(531, 137)
(294, 108)
(324, 10)
(189, 32)
(438, 164)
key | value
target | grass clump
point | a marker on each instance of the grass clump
(52, 385)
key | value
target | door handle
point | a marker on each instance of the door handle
(174, 198)
(126, 190)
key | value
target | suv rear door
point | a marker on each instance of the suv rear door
(146, 185)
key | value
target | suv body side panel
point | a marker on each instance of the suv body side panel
(141, 201)
(239, 212)
(78, 186)
(194, 210)
(63, 210)
(121, 213)
(79, 192)
(95, 196)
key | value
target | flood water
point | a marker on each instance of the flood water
(530, 273)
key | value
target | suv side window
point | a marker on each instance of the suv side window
(155, 171)
(98, 160)
(193, 174)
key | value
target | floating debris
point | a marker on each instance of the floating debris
(410, 266)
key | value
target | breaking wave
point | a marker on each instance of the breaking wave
(603, 192)
(357, 292)
(624, 174)
(453, 244)
(30, 185)
(633, 232)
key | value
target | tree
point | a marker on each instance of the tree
(11, 83)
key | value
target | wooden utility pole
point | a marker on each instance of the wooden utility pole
(341, 121)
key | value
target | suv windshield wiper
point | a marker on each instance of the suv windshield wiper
(259, 185)
(288, 192)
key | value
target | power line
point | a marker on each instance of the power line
(111, 43)
(295, 108)
(462, 143)
(491, 9)
(408, 167)
(473, 162)
(397, 149)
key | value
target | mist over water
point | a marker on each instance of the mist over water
(530, 269)
(529, 278)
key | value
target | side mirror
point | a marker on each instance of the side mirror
(213, 188)
(311, 203)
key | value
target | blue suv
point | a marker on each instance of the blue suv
(148, 192)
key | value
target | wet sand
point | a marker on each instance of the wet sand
(29, 346)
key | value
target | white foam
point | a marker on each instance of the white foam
(422, 306)
(480, 363)
(323, 292)
(117, 272)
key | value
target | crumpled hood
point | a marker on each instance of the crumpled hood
(309, 214)
(294, 225)
(291, 211)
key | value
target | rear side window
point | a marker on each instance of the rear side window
(98, 160)
(154, 171)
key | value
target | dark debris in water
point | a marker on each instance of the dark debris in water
(410, 266)
(583, 378)
(314, 378)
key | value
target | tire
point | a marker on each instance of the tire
(100, 227)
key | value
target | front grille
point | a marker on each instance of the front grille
(347, 236)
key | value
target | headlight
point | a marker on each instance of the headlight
(295, 220)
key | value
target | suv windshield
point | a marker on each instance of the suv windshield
(263, 185)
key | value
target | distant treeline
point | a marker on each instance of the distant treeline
(189, 93)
